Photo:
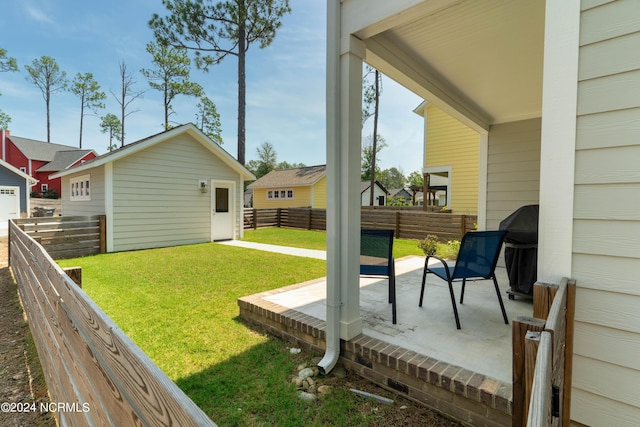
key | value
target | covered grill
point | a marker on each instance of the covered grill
(521, 249)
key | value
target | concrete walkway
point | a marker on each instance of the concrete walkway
(287, 250)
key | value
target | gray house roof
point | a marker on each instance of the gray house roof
(63, 160)
(40, 150)
(294, 177)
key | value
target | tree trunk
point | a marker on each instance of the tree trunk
(48, 102)
(374, 144)
(241, 87)
(81, 117)
(166, 109)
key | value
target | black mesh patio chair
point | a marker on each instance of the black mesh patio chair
(477, 259)
(376, 259)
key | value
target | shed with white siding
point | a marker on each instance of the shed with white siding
(174, 188)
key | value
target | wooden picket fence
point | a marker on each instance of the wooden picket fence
(542, 358)
(407, 223)
(67, 236)
(92, 369)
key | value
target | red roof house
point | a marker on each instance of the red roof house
(40, 159)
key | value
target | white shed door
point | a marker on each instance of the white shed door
(223, 210)
(9, 203)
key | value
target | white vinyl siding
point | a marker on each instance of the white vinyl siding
(95, 206)
(606, 248)
(156, 196)
(513, 169)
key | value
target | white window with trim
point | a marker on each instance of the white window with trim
(80, 188)
(280, 194)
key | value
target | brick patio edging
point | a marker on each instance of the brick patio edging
(470, 397)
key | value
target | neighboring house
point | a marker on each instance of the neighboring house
(174, 188)
(553, 90)
(451, 151)
(291, 188)
(402, 193)
(40, 159)
(439, 190)
(248, 198)
(379, 194)
(15, 187)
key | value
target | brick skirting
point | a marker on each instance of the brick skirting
(468, 396)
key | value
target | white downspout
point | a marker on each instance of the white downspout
(332, 333)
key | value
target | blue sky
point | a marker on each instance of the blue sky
(285, 82)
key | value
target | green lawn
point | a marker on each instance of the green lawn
(179, 304)
(317, 240)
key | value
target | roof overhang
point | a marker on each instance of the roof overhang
(31, 180)
(480, 62)
(141, 145)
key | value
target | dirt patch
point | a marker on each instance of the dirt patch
(22, 386)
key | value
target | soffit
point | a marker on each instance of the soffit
(486, 58)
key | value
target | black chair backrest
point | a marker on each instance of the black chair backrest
(478, 255)
(376, 251)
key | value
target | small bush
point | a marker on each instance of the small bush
(450, 250)
(50, 194)
(429, 245)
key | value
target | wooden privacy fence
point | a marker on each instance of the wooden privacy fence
(542, 358)
(407, 223)
(95, 374)
(67, 236)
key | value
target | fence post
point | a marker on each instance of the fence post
(278, 210)
(463, 225)
(398, 224)
(308, 219)
(255, 218)
(543, 295)
(519, 329)
(103, 233)
(568, 352)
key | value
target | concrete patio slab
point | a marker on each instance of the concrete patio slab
(483, 345)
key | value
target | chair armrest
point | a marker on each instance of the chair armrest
(442, 261)
(426, 261)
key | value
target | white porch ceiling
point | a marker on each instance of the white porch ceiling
(481, 61)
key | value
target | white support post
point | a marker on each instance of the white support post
(343, 187)
(557, 151)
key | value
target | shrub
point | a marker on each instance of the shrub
(50, 194)
(450, 250)
(429, 245)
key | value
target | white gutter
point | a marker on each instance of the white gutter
(332, 332)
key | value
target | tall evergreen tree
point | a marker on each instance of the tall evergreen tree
(111, 123)
(6, 64)
(45, 73)
(215, 30)
(208, 119)
(170, 75)
(85, 87)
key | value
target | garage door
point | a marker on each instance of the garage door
(9, 203)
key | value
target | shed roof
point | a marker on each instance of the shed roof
(17, 171)
(152, 140)
(294, 177)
